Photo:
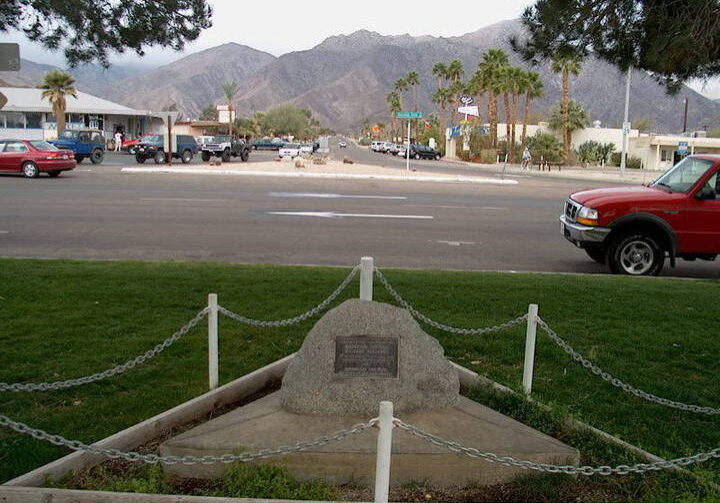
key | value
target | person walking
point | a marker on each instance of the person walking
(118, 140)
(526, 158)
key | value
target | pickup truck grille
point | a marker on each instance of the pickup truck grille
(571, 209)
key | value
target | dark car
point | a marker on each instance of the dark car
(32, 157)
(84, 143)
(267, 144)
(153, 147)
(424, 152)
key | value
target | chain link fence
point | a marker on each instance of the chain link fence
(151, 458)
(550, 468)
(117, 370)
(446, 328)
(606, 376)
(296, 319)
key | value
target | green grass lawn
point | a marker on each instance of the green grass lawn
(64, 319)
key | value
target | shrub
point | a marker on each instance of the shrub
(347, 160)
(545, 146)
(365, 141)
(589, 151)
(263, 481)
(615, 158)
(633, 163)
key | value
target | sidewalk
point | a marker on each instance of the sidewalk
(609, 174)
(332, 170)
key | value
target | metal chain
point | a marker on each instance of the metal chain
(138, 360)
(577, 356)
(549, 468)
(77, 445)
(447, 328)
(299, 318)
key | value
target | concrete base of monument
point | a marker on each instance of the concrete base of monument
(264, 424)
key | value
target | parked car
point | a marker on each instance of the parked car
(85, 143)
(342, 144)
(392, 148)
(267, 144)
(153, 147)
(289, 150)
(226, 147)
(376, 146)
(633, 229)
(32, 157)
(307, 148)
(202, 140)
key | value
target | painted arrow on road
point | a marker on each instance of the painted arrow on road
(332, 214)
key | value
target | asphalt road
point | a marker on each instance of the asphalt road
(97, 212)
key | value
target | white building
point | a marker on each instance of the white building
(29, 117)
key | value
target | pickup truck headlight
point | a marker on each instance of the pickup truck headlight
(587, 216)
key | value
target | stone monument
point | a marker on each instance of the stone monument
(356, 356)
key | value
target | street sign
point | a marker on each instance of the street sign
(409, 115)
(469, 110)
(455, 131)
(467, 100)
(9, 58)
(683, 148)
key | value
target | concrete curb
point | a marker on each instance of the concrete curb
(325, 176)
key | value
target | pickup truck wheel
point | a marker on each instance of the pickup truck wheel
(139, 158)
(160, 157)
(597, 254)
(636, 254)
(186, 156)
(205, 156)
(97, 156)
(226, 155)
(245, 155)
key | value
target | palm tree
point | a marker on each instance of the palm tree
(575, 118)
(566, 64)
(517, 85)
(489, 75)
(230, 90)
(393, 101)
(455, 70)
(413, 79)
(443, 97)
(401, 86)
(56, 86)
(533, 90)
(440, 70)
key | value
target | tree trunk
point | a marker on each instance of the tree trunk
(59, 111)
(513, 118)
(492, 113)
(230, 119)
(506, 105)
(566, 112)
(525, 119)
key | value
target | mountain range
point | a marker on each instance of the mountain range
(345, 80)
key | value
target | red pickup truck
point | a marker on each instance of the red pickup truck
(633, 229)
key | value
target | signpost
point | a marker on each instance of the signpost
(683, 148)
(9, 62)
(409, 116)
(170, 146)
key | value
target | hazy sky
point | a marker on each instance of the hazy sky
(284, 26)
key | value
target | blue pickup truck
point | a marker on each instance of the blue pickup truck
(85, 143)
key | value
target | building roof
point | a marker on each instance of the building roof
(29, 99)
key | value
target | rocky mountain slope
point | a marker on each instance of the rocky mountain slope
(346, 78)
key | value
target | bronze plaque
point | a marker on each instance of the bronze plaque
(363, 356)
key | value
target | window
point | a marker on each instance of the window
(33, 120)
(15, 120)
(684, 175)
(15, 146)
(84, 136)
(98, 138)
(43, 145)
(666, 155)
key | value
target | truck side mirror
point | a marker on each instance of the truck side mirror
(706, 193)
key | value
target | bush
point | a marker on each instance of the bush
(633, 163)
(365, 141)
(615, 158)
(544, 146)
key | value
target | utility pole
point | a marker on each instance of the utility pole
(685, 118)
(626, 124)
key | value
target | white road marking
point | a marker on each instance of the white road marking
(331, 196)
(332, 214)
(4, 232)
(495, 208)
(181, 199)
(456, 243)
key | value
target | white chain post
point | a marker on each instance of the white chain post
(384, 451)
(367, 268)
(530, 348)
(213, 365)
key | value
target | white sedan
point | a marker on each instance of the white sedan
(289, 150)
